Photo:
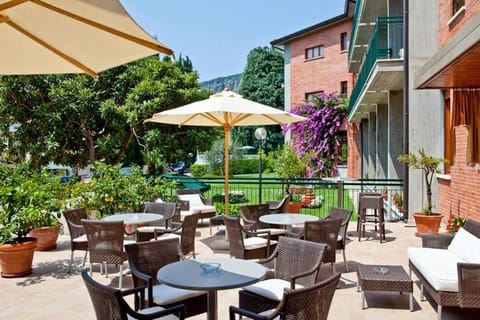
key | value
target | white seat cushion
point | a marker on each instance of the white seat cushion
(273, 231)
(271, 288)
(463, 244)
(438, 266)
(254, 243)
(169, 235)
(164, 294)
(194, 200)
(153, 310)
(149, 229)
(81, 238)
(128, 241)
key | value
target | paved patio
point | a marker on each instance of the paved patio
(50, 292)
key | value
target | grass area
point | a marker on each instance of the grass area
(274, 191)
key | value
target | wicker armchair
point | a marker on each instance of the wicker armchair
(109, 303)
(105, 244)
(324, 231)
(78, 238)
(295, 263)
(145, 259)
(280, 207)
(250, 217)
(195, 201)
(187, 231)
(245, 244)
(166, 209)
(345, 215)
(309, 303)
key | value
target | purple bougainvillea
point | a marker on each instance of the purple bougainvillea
(319, 138)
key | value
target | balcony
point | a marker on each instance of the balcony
(381, 69)
(366, 13)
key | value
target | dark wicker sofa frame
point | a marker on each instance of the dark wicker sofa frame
(468, 274)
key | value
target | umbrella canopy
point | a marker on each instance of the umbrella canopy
(225, 109)
(70, 36)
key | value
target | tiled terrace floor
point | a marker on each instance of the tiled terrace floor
(51, 293)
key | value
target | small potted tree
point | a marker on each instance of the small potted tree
(289, 166)
(16, 249)
(426, 221)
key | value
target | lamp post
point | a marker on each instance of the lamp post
(260, 134)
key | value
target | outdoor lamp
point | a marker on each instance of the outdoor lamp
(260, 134)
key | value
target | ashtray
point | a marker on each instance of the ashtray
(210, 267)
(380, 270)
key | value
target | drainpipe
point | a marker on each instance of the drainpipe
(406, 82)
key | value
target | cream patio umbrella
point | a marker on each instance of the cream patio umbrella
(70, 36)
(225, 109)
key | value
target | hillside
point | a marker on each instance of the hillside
(218, 84)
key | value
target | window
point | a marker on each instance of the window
(457, 5)
(343, 41)
(314, 52)
(310, 95)
(343, 88)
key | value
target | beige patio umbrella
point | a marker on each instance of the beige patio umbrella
(225, 109)
(70, 36)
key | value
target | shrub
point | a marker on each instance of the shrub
(199, 170)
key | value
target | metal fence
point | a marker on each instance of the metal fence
(318, 195)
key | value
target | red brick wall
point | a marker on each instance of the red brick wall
(353, 147)
(462, 193)
(321, 74)
(472, 7)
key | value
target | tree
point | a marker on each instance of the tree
(76, 120)
(319, 138)
(262, 82)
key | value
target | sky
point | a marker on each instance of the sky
(218, 35)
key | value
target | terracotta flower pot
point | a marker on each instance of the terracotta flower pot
(427, 224)
(294, 207)
(16, 258)
(46, 236)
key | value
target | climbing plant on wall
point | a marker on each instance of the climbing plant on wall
(319, 138)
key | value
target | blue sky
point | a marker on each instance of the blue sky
(218, 35)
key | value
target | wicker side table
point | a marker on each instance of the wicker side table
(383, 278)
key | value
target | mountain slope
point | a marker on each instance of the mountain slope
(218, 84)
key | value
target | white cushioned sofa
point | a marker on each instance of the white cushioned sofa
(448, 267)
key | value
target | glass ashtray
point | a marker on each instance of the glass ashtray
(380, 270)
(210, 267)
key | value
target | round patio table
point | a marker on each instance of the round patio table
(135, 218)
(232, 273)
(287, 219)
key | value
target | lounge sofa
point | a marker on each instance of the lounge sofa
(448, 267)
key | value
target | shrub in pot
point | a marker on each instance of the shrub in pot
(16, 249)
(31, 202)
(427, 221)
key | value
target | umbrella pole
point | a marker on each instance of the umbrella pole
(226, 130)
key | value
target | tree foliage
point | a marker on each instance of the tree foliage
(262, 82)
(76, 120)
(319, 138)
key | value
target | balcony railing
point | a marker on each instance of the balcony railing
(386, 44)
(353, 34)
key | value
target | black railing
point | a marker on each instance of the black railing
(319, 195)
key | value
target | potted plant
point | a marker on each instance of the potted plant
(38, 194)
(289, 166)
(295, 203)
(426, 221)
(16, 249)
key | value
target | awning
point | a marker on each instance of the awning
(455, 65)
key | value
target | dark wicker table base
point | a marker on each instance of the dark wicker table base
(395, 279)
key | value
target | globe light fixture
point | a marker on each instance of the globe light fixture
(261, 135)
